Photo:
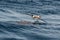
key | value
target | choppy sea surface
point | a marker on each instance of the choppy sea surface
(16, 10)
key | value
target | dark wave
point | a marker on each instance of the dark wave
(17, 10)
(39, 6)
(11, 31)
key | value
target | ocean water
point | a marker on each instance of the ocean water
(17, 10)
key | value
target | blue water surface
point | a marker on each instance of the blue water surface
(17, 10)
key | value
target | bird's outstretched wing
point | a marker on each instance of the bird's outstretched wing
(43, 20)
